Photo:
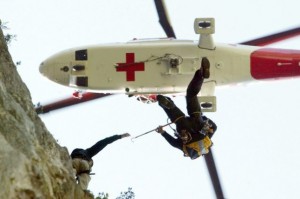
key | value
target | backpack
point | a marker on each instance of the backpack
(196, 149)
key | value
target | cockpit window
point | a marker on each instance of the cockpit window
(81, 55)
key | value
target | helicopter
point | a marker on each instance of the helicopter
(254, 63)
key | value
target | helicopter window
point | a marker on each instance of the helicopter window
(82, 81)
(81, 54)
(78, 67)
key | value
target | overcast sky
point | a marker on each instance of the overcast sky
(256, 147)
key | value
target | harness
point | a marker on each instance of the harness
(196, 149)
(85, 171)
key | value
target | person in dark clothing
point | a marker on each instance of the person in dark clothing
(82, 159)
(193, 131)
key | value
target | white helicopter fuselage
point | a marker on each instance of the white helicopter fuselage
(165, 66)
(152, 66)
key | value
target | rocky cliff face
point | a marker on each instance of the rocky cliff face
(32, 164)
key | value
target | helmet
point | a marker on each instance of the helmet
(80, 153)
(210, 123)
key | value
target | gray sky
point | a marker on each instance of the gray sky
(256, 147)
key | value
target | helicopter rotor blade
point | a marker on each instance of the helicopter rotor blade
(164, 19)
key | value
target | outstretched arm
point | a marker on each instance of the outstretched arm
(96, 148)
(171, 140)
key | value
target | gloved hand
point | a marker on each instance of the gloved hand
(159, 129)
(125, 135)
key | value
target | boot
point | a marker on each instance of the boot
(205, 65)
(165, 102)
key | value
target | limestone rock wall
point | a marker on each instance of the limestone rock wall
(32, 164)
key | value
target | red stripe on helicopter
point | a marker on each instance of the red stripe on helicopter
(267, 63)
(130, 66)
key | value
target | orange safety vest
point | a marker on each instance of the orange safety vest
(196, 149)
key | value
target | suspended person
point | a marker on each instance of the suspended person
(193, 131)
(82, 159)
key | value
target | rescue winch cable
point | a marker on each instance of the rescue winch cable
(149, 131)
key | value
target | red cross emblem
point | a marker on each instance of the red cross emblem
(130, 67)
